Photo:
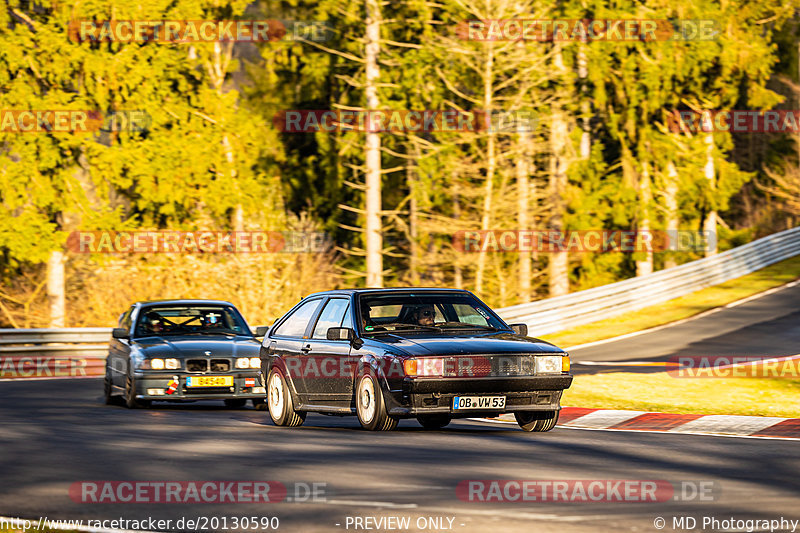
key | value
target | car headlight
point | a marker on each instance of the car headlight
(157, 364)
(255, 362)
(424, 367)
(242, 363)
(173, 364)
(548, 364)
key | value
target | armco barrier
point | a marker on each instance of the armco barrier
(582, 307)
(42, 353)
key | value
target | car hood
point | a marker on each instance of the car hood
(464, 344)
(195, 345)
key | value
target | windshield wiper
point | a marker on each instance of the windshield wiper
(413, 326)
(464, 325)
(207, 332)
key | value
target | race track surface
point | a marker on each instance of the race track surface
(56, 433)
(767, 326)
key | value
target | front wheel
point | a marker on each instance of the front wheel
(370, 408)
(538, 421)
(131, 402)
(279, 402)
(108, 389)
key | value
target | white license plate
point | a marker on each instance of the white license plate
(478, 402)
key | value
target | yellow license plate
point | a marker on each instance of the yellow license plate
(209, 381)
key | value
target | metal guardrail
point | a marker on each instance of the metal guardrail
(75, 352)
(59, 352)
(582, 307)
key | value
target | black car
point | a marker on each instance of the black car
(182, 350)
(429, 354)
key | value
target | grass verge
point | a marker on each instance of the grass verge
(679, 308)
(661, 392)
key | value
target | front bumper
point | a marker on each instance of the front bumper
(435, 396)
(244, 385)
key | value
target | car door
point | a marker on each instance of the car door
(328, 378)
(291, 340)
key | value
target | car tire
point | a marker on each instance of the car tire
(538, 421)
(131, 402)
(235, 403)
(279, 402)
(259, 404)
(370, 407)
(433, 421)
(108, 395)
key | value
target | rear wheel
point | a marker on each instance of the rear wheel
(131, 402)
(235, 403)
(433, 421)
(279, 402)
(537, 420)
(370, 408)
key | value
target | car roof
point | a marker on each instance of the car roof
(148, 303)
(385, 290)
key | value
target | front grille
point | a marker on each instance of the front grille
(489, 366)
(197, 365)
(220, 365)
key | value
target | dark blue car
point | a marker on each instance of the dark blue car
(429, 354)
(183, 350)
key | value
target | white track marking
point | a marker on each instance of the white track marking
(698, 433)
(56, 524)
(728, 424)
(359, 503)
(603, 418)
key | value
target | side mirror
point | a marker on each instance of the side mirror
(341, 334)
(120, 333)
(261, 331)
(520, 329)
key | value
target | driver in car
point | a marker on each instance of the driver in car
(423, 315)
(154, 323)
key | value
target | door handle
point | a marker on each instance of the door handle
(306, 348)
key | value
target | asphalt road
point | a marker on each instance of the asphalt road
(56, 433)
(765, 326)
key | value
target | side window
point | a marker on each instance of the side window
(347, 321)
(331, 317)
(470, 315)
(295, 325)
(125, 319)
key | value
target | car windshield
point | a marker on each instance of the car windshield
(190, 319)
(425, 311)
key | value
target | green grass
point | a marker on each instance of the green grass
(683, 307)
(663, 393)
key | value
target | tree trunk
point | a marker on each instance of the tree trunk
(645, 266)
(671, 206)
(413, 226)
(586, 106)
(491, 163)
(373, 235)
(523, 210)
(56, 292)
(458, 275)
(558, 266)
(710, 223)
